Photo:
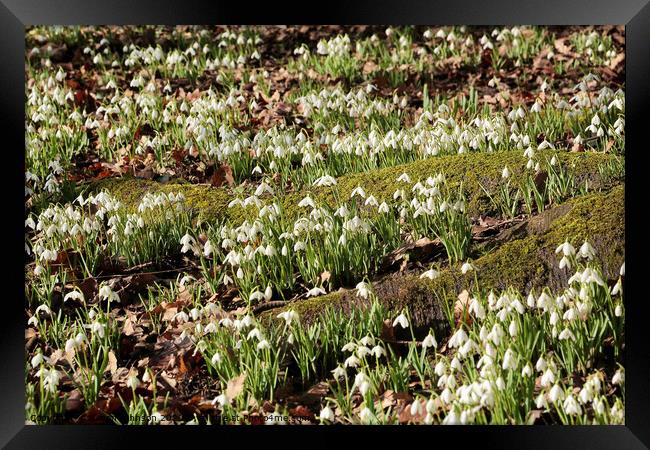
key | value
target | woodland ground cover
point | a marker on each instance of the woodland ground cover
(324, 225)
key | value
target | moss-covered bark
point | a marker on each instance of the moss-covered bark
(526, 262)
(473, 170)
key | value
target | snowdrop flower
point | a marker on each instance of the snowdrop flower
(362, 351)
(221, 399)
(530, 300)
(404, 178)
(307, 201)
(505, 173)
(466, 268)
(187, 242)
(617, 287)
(556, 393)
(452, 418)
(512, 328)
(416, 408)
(618, 310)
(548, 378)
(366, 415)
(447, 396)
(51, 378)
(326, 414)
(567, 334)
(264, 344)
(70, 345)
(208, 248)
(363, 290)
(477, 309)
(226, 322)
(622, 271)
(619, 377)
(106, 293)
(254, 333)
(401, 320)
(565, 262)
(586, 395)
(527, 370)
(349, 347)
(509, 360)
(377, 351)
(325, 181)
(352, 361)
(566, 248)
(313, 292)
(384, 208)
(358, 191)
(544, 301)
(429, 341)
(256, 296)
(430, 274)
(339, 372)
(38, 359)
(571, 406)
(186, 279)
(458, 338)
(288, 316)
(181, 317)
(598, 405)
(587, 251)
(132, 381)
(74, 295)
(216, 359)
(439, 369)
(364, 387)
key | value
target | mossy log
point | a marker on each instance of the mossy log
(526, 261)
(474, 170)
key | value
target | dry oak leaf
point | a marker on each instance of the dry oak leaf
(461, 308)
(618, 59)
(235, 386)
(222, 175)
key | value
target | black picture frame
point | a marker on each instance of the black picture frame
(634, 14)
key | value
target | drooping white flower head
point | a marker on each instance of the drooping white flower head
(430, 274)
(466, 267)
(401, 320)
(326, 414)
(429, 341)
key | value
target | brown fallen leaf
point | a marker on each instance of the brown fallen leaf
(618, 59)
(405, 415)
(387, 331)
(74, 402)
(423, 248)
(461, 308)
(561, 47)
(325, 276)
(222, 175)
(235, 386)
(112, 363)
(369, 67)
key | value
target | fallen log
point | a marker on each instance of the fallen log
(523, 258)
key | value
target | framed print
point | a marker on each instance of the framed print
(375, 215)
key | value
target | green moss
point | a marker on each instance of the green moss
(473, 170)
(524, 264)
